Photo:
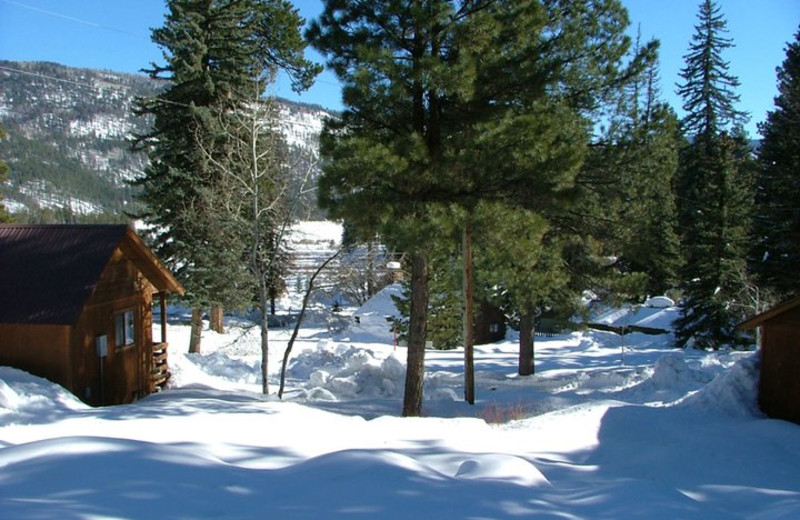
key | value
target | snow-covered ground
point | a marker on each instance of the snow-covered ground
(610, 427)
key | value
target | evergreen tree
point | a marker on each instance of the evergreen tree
(709, 89)
(521, 270)
(776, 256)
(215, 53)
(4, 215)
(646, 148)
(248, 205)
(450, 103)
(714, 188)
(716, 245)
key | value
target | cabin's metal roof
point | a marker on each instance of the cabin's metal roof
(48, 272)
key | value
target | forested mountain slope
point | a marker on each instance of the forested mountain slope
(68, 140)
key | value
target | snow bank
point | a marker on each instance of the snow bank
(372, 321)
(733, 392)
(659, 302)
(658, 316)
(501, 467)
(9, 399)
(672, 371)
(343, 371)
(25, 398)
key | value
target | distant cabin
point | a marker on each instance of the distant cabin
(779, 384)
(76, 307)
(489, 325)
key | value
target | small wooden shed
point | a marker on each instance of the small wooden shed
(76, 307)
(779, 385)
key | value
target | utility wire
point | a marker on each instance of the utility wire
(91, 86)
(71, 18)
(62, 80)
(100, 26)
(83, 84)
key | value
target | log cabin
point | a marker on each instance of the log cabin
(779, 381)
(77, 308)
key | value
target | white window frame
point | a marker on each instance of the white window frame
(124, 328)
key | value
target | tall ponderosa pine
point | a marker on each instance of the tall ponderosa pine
(454, 102)
(215, 51)
(397, 62)
(776, 257)
(714, 191)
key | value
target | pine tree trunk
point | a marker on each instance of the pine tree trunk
(215, 319)
(196, 333)
(469, 355)
(417, 335)
(526, 355)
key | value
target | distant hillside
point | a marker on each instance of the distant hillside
(68, 133)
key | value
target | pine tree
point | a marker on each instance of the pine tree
(776, 256)
(215, 53)
(520, 269)
(451, 103)
(714, 190)
(383, 153)
(646, 150)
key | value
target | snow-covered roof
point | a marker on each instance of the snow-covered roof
(656, 317)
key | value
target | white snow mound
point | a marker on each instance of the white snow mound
(733, 392)
(506, 468)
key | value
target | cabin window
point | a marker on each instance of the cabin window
(124, 329)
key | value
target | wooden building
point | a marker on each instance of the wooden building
(779, 385)
(76, 307)
(489, 325)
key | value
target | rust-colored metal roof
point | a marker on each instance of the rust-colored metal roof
(48, 272)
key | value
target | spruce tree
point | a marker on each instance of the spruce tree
(709, 89)
(776, 256)
(215, 53)
(714, 189)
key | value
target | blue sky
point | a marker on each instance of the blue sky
(115, 35)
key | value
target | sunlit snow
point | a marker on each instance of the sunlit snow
(610, 427)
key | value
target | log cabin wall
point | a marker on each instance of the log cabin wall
(779, 386)
(43, 350)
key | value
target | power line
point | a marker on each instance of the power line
(71, 18)
(62, 80)
(92, 86)
(53, 78)
(83, 84)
